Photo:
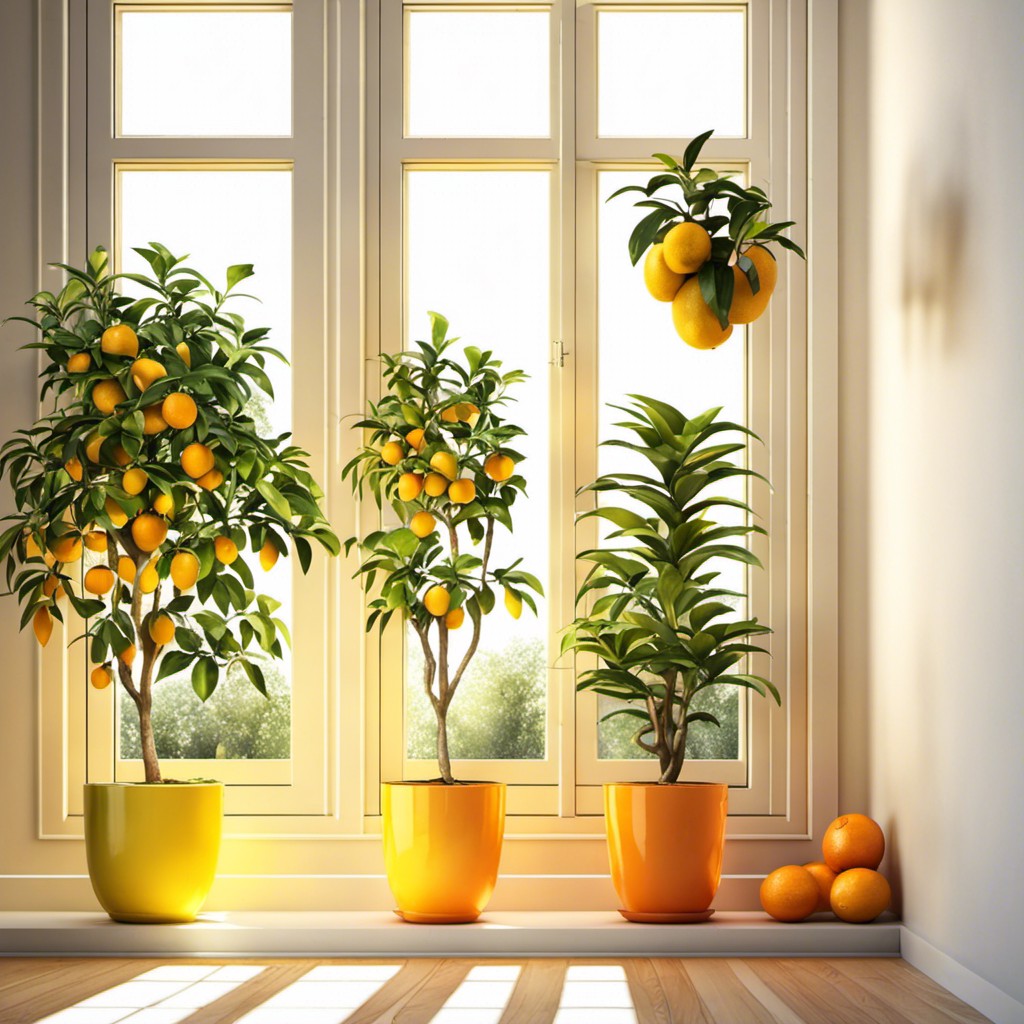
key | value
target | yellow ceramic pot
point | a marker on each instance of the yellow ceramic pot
(152, 849)
(665, 846)
(442, 845)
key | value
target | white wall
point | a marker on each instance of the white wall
(933, 488)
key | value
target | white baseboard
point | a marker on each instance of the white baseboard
(974, 990)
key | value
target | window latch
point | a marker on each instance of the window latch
(558, 353)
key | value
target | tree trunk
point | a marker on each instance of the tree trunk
(443, 760)
(149, 758)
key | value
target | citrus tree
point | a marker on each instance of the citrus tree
(148, 460)
(716, 268)
(660, 629)
(440, 452)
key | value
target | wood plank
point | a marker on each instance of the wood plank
(823, 996)
(385, 1002)
(15, 971)
(908, 990)
(780, 1010)
(649, 999)
(537, 993)
(250, 994)
(432, 993)
(682, 997)
(725, 996)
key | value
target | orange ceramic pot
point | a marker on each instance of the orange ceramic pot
(442, 845)
(665, 846)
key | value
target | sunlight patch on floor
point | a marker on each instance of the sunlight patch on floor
(595, 994)
(481, 998)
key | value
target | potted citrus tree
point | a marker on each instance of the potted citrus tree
(707, 251)
(135, 493)
(661, 631)
(441, 453)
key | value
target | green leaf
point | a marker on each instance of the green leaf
(693, 150)
(205, 673)
(275, 499)
(238, 272)
(172, 663)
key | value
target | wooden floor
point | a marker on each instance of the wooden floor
(647, 991)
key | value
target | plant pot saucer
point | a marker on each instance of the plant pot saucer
(414, 918)
(680, 917)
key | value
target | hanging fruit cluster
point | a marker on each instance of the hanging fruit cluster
(714, 267)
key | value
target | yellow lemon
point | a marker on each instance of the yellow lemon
(107, 395)
(694, 321)
(392, 453)
(455, 618)
(120, 340)
(126, 569)
(134, 481)
(184, 570)
(499, 467)
(42, 626)
(445, 463)
(686, 248)
(163, 504)
(269, 555)
(409, 486)
(161, 629)
(746, 306)
(423, 524)
(662, 282)
(436, 600)
(115, 513)
(225, 549)
(185, 353)
(514, 603)
(74, 469)
(149, 578)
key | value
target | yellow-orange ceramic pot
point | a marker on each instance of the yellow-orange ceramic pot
(152, 849)
(665, 846)
(442, 845)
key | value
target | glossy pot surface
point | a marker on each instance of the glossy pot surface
(152, 849)
(442, 845)
(665, 846)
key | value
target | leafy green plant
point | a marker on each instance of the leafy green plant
(441, 454)
(659, 627)
(149, 460)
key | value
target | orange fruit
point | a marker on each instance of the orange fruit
(449, 415)
(462, 492)
(499, 467)
(179, 410)
(52, 587)
(163, 504)
(80, 362)
(185, 353)
(146, 372)
(225, 549)
(423, 524)
(197, 460)
(134, 481)
(184, 570)
(120, 340)
(161, 629)
(694, 322)
(32, 549)
(269, 555)
(824, 876)
(686, 248)
(746, 306)
(455, 618)
(853, 841)
(42, 626)
(121, 457)
(467, 412)
(392, 453)
(148, 531)
(66, 548)
(436, 600)
(126, 569)
(96, 540)
(513, 603)
(92, 448)
(661, 280)
(74, 469)
(152, 421)
(107, 395)
(100, 677)
(409, 486)
(445, 463)
(128, 655)
(435, 485)
(115, 513)
(99, 580)
(859, 895)
(212, 480)
(790, 893)
(149, 578)
(415, 439)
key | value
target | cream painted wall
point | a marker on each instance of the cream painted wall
(933, 489)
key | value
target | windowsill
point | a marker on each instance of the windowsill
(497, 934)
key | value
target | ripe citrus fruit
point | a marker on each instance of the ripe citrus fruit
(467, 412)
(80, 362)
(52, 587)
(185, 353)
(74, 469)
(148, 531)
(161, 629)
(212, 480)
(42, 626)
(134, 481)
(499, 467)
(449, 415)
(96, 540)
(66, 548)
(107, 394)
(392, 453)
(92, 448)
(179, 410)
(121, 457)
(100, 677)
(99, 580)
(824, 876)
(746, 306)
(662, 282)
(514, 603)
(184, 570)
(115, 513)
(694, 321)
(686, 247)
(146, 372)
(853, 841)
(423, 524)
(128, 655)
(163, 504)
(126, 569)
(859, 895)
(789, 893)
(269, 555)
(445, 463)
(153, 421)
(149, 578)
(32, 549)
(225, 549)
(435, 484)
(415, 439)
(455, 618)
(197, 460)
(120, 340)
(409, 486)
(462, 492)
(436, 600)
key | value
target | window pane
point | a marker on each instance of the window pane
(640, 353)
(481, 73)
(230, 74)
(499, 301)
(209, 215)
(671, 73)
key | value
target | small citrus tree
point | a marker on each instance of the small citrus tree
(440, 452)
(149, 459)
(659, 628)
